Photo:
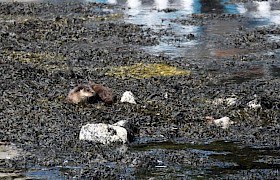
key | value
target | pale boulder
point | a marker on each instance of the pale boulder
(223, 122)
(103, 133)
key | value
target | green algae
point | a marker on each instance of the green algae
(141, 71)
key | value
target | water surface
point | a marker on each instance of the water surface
(158, 15)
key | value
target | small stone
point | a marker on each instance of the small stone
(8, 151)
(103, 133)
(230, 101)
(223, 122)
(128, 97)
(254, 104)
(166, 96)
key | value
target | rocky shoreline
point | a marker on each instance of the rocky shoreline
(47, 49)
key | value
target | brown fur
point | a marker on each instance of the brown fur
(209, 119)
(79, 94)
(103, 92)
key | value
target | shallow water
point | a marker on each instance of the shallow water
(158, 15)
(220, 157)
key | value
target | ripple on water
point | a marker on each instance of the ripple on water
(220, 157)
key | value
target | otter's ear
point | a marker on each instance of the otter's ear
(77, 88)
(90, 83)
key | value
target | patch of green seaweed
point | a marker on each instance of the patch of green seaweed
(142, 70)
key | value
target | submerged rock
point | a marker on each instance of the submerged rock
(104, 133)
(128, 97)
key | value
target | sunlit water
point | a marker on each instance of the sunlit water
(158, 15)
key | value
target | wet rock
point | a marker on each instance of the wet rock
(121, 123)
(13, 174)
(128, 97)
(104, 133)
(169, 10)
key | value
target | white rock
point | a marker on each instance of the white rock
(223, 122)
(128, 97)
(120, 123)
(230, 101)
(103, 133)
(254, 104)
(9, 151)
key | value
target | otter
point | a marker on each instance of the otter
(80, 94)
(103, 92)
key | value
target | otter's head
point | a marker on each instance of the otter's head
(86, 91)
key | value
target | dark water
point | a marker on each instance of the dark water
(220, 158)
(223, 158)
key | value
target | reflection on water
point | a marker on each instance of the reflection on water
(158, 15)
(262, 13)
(57, 172)
(219, 157)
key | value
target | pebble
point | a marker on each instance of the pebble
(128, 97)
